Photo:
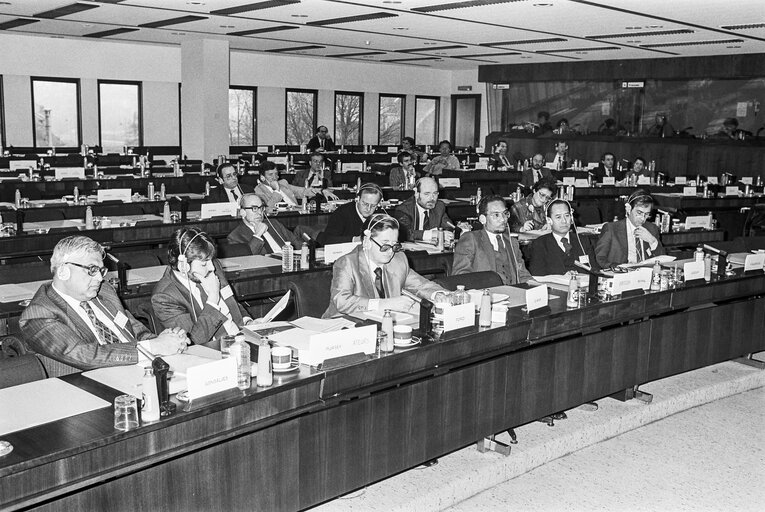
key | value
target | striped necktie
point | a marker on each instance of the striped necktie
(105, 335)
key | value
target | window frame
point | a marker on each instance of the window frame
(380, 97)
(2, 114)
(361, 116)
(315, 93)
(140, 108)
(438, 119)
(253, 147)
(76, 82)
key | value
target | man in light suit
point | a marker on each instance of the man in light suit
(78, 319)
(193, 294)
(272, 190)
(371, 277)
(423, 213)
(316, 177)
(229, 188)
(491, 248)
(263, 235)
(631, 239)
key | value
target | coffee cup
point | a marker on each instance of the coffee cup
(281, 357)
(402, 334)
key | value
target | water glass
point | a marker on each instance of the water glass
(225, 345)
(125, 412)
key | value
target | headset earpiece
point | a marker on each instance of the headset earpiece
(482, 219)
(63, 273)
(367, 233)
(183, 264)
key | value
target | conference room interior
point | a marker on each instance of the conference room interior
(121, 112)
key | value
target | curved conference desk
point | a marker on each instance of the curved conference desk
(318, 434)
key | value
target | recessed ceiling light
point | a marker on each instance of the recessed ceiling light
(84, 24)
(736, 46)
(400, 28)
(367, 43)
(542, 5)
(633, 28)
(195, 3)
(654, 26)
(178, 33)
(299, 15)
(391, 2)
(525, 57)
(581, 53)
(430, 43)
(227, 26)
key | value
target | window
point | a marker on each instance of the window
(56, 112)
(301, 116)
(119, 115)
(426, 120)
(241, 116)
(348, 109)
(391, 119)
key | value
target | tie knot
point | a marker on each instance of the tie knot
(564, 240)
(85, 305)
(378, 272)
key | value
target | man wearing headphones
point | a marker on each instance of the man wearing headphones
(491, 248)
(316, 177)
(403, 176)
(557, 252)
(193, 294)
(78, 319)
(422, 214)
(536, 172)
(272, 190)
(372, 276)
(529, 213)
(345, 223)
(263, 235)
(229, 188)
(321, 142)
(632, 239)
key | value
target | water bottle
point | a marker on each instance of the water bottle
(240, 351)
(440, 239)
(484, 316)
(17, 198)
(265, 373)
(460, 296)
(478, 196)
(707, 268)
(76, 195)
(150, 406)
(166, 219)
(287, 253)
(572, 299)
(150, 191)
(656, 277)
(304, 257)
(698, 255)
(387, 327)
(89, 218)
(207, 189)
(162, 192)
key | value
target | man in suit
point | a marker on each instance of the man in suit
(229, 188)
(444, 160)
(272, 190)
(631, 239)
(607, 168)
(372, 276)
(403, 176)
(321, 142)
(317, 177)
(422, 214)
(557, 252)
(193, 294)
(345, 223)
(491, 248)
(559, 159)
(263, 235)
(536, 172)
(529, 213)
(78, 319)
(500, 161)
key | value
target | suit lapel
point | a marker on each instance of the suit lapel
(621, 227)
(72, 316)
(366, 275)
(487, 249)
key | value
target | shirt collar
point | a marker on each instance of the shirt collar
(74, 303)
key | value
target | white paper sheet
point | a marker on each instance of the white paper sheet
(322, 324)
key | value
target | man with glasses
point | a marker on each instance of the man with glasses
(420, 216)
(632, 239)
(491, 248)
(373, 275)
(78, 319)
(261, 234)
(272, 190)
(229, 190)
(345, 223)
(322, 141)
(529, 213)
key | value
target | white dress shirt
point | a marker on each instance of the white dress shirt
(100, 314)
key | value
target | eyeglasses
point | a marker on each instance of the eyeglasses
(544, 197)
(229, 176)
(641, 213)
(368, 206)
(254, 208)
(92, 270)
(499, 215)
(388, 247)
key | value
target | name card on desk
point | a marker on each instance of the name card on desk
(731, 191)
(643, 277)
(63, 173)
(392, 149)
(747, 180)
(206, 379)
(697, 221)
(449, 182)
(278, 160)
(712, 180)
(353, 167)
(394, 159)
(457, 317)
(569, 180)
(681, 180)
(609, 180)
(581, 183)
(22, 165)
(482, 164)
(626, 282)
(643, 180)
(536, 297)
(689, 191)
(262, 149)
(693, 270)
(754, 262)
(115, 194)
(318, 347)
(333, 251)
(210, 210)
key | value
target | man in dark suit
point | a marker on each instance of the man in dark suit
(422, 214)
(263, 235)
(607, 168)
(194, 294)
(557, 251)
(536, 172)
(345, 223)
(491, 248)
(78, 319)
(316, 177)
(321, 142)
(500, 161)
(403, 176)
(229, 188)
(631, 239)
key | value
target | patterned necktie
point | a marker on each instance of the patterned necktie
(236, 197)
(500, 243)
(105, 335)
(566, 245)
(379, 283)
(639, 250)
(426, 221)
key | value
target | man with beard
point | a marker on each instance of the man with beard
(420, 216)
(78, 319)
(536, 172)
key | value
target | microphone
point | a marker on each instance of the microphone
(121, 272)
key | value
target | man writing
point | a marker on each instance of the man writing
(529, 213)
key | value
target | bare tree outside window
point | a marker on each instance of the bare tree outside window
(391, 119)
(56, 113)
(119, 111)
(301, 116)
(348, 108)
(426, 120)
(241, 117)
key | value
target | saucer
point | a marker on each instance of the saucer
(291, 368)
(405, 345)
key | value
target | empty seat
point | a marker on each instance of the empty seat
(312, 295)
(20, 370)
(233, 250)
(471, 280)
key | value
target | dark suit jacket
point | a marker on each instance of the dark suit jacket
(172, 304)
(600, 173)
(218, 195)
(242, 234)
(496, 161)
(303, 174)
(520, 213)
(314, 144)
(547, 257)
(352, 284)
(527, 180)
(474, 253)
(342, 225)
(397, 177)
(611, 248)
(406, 214)
(53, 329)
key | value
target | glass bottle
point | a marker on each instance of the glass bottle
(484, 316)
(287, 255)
(387, 328)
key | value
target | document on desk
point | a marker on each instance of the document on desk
(18, 292)
(661, 259)
(420, 246)
(43, 401)
(322, 324)
(248, 262)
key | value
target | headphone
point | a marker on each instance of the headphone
(63, 272)
(369, 187)
(183, 263)
(638, 194)
(571, 211)
(376, 219)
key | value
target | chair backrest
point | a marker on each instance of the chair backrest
(312, 295)
(145, 313)
(20, 370)
(471, 280)
(233, 250)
